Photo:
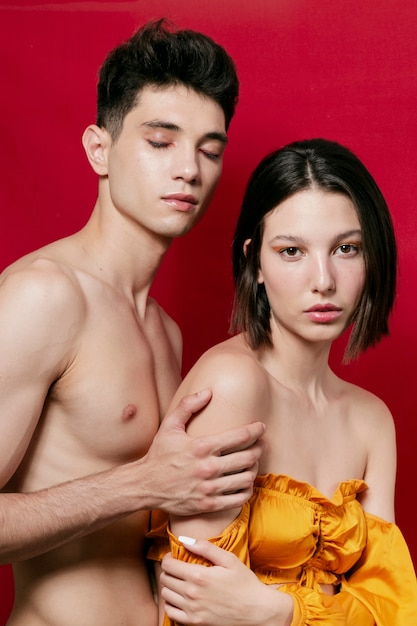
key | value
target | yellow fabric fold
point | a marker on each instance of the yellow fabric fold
(293, 536)
(158, 536)
(234, 539)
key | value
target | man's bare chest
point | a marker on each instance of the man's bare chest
(106, 407)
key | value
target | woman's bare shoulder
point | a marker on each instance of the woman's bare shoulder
(230, 363)
(367, 410)
(237, 380)
(374, 426)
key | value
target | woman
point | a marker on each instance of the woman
(314, 253)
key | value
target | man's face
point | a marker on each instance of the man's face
(164, 167)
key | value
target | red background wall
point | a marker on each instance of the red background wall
(344, 70)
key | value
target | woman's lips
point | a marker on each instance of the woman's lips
(323, 313)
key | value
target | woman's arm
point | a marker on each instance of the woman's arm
(239, 390)
(378, 431)
(228, 593)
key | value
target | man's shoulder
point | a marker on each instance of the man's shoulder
(170, 326)
(42, 315)
(41, 280)
(156, 309)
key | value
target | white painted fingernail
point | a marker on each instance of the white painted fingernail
(187, 541)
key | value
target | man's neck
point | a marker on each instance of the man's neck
(122, 253)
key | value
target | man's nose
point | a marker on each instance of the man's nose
(186, 166)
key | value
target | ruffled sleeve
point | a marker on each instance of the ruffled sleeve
(381, 589)
(384, 579)
(233, 539)
(312, 608)
(157, 536)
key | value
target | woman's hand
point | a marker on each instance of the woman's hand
(228, 593)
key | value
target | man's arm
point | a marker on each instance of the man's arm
(178, 474)
(187, 475)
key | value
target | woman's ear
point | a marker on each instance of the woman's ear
(245, 252)
(260, 277)
(96, 140)
(245, 246)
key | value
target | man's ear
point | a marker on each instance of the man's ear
(96, 140)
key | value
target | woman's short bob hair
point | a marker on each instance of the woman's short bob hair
(325, 165)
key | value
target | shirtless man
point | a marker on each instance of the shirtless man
(89, 363)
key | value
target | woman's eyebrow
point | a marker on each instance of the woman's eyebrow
(354, 232)
(287, 238)
(350, 233)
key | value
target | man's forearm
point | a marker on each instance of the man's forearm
(34, 523)
(178, 474)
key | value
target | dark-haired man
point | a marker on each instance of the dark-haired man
(89, 363)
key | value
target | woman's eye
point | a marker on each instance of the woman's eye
(348, 249)
(290, 251)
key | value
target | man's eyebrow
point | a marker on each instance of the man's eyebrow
(161, 124)
(217, 136)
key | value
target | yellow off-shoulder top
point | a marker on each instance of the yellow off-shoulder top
(292, 535)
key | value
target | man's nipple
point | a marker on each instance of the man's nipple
(129, 412)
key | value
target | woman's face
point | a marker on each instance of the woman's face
(312, 265)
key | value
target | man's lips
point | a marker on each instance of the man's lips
(181, 202)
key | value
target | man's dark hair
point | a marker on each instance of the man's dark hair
(160, 55)
(326, 165)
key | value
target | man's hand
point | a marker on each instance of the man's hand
(227, 593)
(196, 475)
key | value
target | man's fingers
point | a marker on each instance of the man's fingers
(230, 464)
(228, 492)
(187, 406)
(231, 483)
(232, 440)
(236, 462)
